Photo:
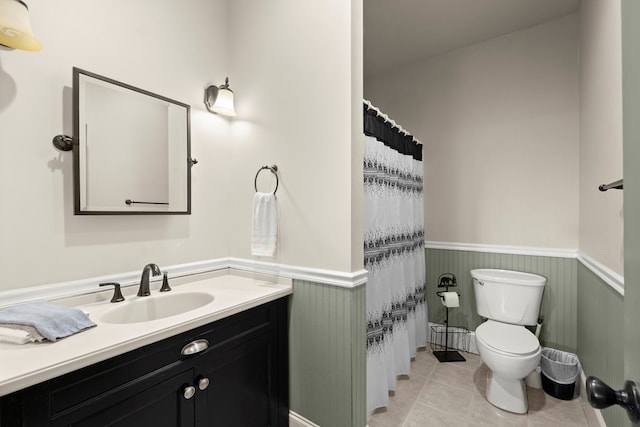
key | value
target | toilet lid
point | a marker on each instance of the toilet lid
(507, 338)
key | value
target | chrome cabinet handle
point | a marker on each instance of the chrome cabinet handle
(189, 392)
(195, 347)
(203, 383)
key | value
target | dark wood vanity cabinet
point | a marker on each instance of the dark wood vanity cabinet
(241, 379)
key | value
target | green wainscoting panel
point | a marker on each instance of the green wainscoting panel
(601, 336)
(559, 303)
(327, 354)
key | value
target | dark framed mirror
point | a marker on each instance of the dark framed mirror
(133, 149)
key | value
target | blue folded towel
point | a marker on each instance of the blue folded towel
(50, 320)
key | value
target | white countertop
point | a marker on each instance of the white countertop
(24, 365)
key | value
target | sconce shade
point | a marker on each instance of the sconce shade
(15, 28)
(219, 100)
(224, 103)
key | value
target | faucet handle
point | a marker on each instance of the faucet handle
(117, 295)
(165, 283)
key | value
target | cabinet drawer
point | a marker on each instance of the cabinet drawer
(249, 323)
(139, 399)
(119, 374)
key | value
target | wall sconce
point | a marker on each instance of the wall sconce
(219, 100)
(15, 28)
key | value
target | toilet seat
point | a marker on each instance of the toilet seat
(510, 340)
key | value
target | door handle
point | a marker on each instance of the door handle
(601, 396)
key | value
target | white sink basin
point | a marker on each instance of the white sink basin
(149, 308)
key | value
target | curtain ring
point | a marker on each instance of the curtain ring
(273, 169)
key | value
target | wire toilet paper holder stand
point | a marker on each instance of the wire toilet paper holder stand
(445, 281)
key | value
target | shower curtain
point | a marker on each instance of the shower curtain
(394, 253)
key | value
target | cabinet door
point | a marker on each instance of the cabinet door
(241, 389)
(163, 405)
(155, 399)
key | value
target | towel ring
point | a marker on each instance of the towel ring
(273, 169)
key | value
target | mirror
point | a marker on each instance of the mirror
(132, 150)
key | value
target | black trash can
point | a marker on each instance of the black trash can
(559, 372)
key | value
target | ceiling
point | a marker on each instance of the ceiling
(400, 32)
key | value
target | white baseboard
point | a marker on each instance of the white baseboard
(132, 278)
(503, 249)
(316, 275)
(296, 420)
(610, 277)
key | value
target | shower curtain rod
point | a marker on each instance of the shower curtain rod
(389, 120)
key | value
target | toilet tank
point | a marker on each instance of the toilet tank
(508, 296)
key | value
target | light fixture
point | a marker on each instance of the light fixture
(219, 100)
(15, 28)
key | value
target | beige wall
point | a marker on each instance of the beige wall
(284, 67)
(601, 220)
(499, 123)
(357, 136)
(169, 49)
(295, 86)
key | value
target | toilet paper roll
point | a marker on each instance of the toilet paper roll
(450, 299)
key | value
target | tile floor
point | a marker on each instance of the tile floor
(452, 394)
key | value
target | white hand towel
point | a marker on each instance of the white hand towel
(19, 334)
(264, 232)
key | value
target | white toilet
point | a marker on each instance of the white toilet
(509, 300)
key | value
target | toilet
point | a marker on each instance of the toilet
(509, 300)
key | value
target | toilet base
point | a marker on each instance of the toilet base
(510, 395)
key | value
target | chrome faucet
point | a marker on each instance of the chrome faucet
(143, 291)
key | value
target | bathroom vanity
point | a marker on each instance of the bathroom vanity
(231, 371)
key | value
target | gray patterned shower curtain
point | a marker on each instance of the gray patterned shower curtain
(394, 254)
